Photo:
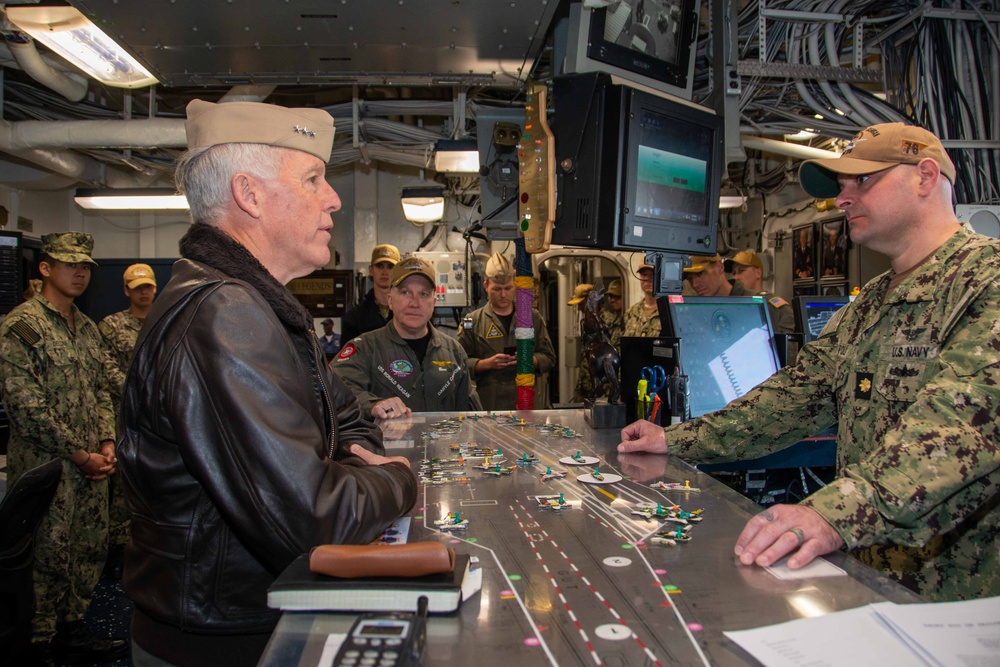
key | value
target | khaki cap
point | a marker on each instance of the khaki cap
(385, 253)
(499, 269)
(139, 274)
(307, 130)
(614, 289)
(748, 258)
(874, 149)
(580, 293)
(699, 262)
(410, 266)
(69, 247)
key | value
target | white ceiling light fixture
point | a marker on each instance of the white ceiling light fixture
(131, 199)
(456, 156)
(423, 201)
(71, 35)
(732, 201)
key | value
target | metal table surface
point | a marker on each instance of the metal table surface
(573, 587)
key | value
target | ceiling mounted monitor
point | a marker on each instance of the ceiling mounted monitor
(650, 42)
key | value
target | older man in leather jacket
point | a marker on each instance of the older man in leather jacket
(239, 448)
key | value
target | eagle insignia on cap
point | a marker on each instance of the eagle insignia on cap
(306, 131)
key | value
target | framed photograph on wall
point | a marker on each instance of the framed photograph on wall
(833, 250)
(833, 289)
(804, 254)
(803, 290)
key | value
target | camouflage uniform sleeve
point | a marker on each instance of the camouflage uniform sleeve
(356, 370)
(939, 464)
(794, 403)
(27, 401)
(544, 351)
(115, 373)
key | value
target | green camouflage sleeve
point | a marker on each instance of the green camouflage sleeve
(114, 368)
(939, 464)
(759, 422)
(27, 401)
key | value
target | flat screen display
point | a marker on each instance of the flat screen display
(672, 169)
(726, 347)
(816, 311)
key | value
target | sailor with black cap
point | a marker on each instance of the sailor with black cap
(234, 428)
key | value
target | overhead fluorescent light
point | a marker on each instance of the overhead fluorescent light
(423, 201)
(71, 35)
(731, 201)
(131, 199)
(457, 156)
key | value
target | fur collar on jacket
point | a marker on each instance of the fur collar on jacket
(206, 244)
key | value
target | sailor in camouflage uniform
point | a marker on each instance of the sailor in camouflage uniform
(54, 384)
(707, 276)
(611, 314)
(120, 331)
(910, 372)
(643, 319)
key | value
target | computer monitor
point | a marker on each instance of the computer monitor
(726, 348)
(815, 311)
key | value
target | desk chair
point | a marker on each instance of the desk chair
(20, 511)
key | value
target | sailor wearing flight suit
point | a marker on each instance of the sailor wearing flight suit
(408, 365)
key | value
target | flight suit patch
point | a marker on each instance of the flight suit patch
(494, 332)
(863, 386)
(347, 352)
(401, 368)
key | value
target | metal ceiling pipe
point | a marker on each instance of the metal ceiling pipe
(71, 87)
(785, 148)
(138, 133)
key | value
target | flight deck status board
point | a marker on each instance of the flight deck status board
(589, 557)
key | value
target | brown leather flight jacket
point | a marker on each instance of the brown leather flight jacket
(233, 442)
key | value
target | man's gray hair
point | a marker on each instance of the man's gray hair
(203, 175)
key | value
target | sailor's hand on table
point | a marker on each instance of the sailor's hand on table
(642, 436)
(779, 530)
(373, 459)
(391, 408)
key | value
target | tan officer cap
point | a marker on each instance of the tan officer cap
(580, 293)
(874, 149)
(748, 258)
(139, 274)
(308, 130)
(69, 247)
(614, 289)
(385, 253)
(410, 266)
(699, 262)
(499, 269)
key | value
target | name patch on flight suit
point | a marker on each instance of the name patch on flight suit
(494, 332)
(401, 368)
(863, 386)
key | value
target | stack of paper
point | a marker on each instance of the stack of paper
(944, 634)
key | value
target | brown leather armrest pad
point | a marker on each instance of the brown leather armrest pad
(350, 561)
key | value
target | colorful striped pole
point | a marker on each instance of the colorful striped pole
(524, 332)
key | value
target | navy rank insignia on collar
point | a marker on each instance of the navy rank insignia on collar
(863, 386)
